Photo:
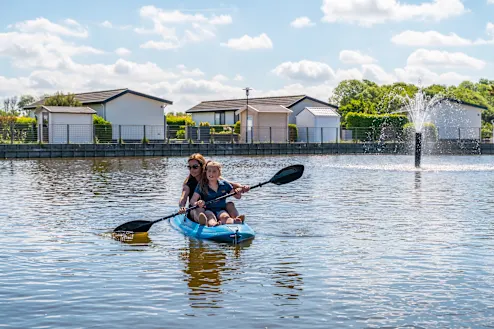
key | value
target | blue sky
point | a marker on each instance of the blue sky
(190, 51)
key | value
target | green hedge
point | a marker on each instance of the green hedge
(236, 129)
(429, 131)
(102, 129)
(293, 132)
(369, 126)
(173, 120)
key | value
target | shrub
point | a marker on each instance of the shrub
(102, 129)
(181, 134)
(367, 126)
(293, 132)
(204, 124)
(236, 129)
(429, 131)
(173, 120)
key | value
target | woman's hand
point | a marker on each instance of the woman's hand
(245, 188)
(182, 210)
(200, 203)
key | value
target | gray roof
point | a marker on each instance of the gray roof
(99, 97)
(237, 104)
(69, 109)
(322, 111)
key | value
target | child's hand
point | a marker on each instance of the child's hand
(200, 203)
(245, 188)
(182, 210)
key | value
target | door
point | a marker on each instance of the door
(250, 131)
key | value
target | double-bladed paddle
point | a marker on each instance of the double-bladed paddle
(284, 176)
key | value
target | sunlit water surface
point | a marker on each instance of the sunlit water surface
(357, 242)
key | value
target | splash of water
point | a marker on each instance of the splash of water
(420, 107)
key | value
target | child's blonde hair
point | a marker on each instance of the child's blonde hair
(204, 181)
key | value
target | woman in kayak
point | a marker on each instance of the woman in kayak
(211, 187)
(196, 165)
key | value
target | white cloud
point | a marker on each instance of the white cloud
(246, 42)
(107, 24)
(122, 51)
(189, 73)
(301, 22)
(429, 38)
(160, 45)
(110, 25)
(437, 39)
(490, 29)
(355, 57)
(238, 77)
(41, 24)
(377, 74)
(437, 58)
(221, 20)
(220, 77)
(370, 12)
(170, 24)
(490, 1)
(40, 50)
(416, 74)
(305, 70)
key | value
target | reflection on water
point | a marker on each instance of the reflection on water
(138, 239)
(286, 277)
(206, 265)
(357, 242)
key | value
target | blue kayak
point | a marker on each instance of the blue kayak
(231, 233)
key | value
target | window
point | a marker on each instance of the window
(236, 117)
(219, 118)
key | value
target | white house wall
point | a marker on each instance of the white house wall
(315, 129)
(78, 126)
(454, 121)
(199, 117)
(99, 108)
(132, 113)
(299, 107)
(203, 117)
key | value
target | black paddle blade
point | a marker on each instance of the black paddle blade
(135, 226)
(288, 174)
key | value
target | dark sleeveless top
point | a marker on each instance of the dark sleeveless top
(192, 184)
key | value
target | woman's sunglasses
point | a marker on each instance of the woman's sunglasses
(193, 167)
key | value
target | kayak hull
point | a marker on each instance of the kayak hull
(229, 233)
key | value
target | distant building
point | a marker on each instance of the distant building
(457, 120)
(129, 109)
(256, 120)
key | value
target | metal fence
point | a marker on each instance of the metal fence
(146, 134)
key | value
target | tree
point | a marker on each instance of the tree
(25, 100)
(59, 99)
(346, 91)
(9, 106)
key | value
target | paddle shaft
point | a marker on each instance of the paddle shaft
(210, 201)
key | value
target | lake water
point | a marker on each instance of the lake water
(357, 242)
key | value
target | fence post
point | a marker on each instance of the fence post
(119, 134)
(144, 138)
(322, 135)
(459, 133)
(270, 135)
(252, 135)
(68, 134)
(307, 131)
(338, 135)
(232, 136)
(11, 133)
(94, 134)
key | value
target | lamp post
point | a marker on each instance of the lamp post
(247, 89)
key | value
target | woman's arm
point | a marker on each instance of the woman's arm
(183, 199)
(195, 200)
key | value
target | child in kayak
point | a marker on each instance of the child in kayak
(211, 187)
(196, 164)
